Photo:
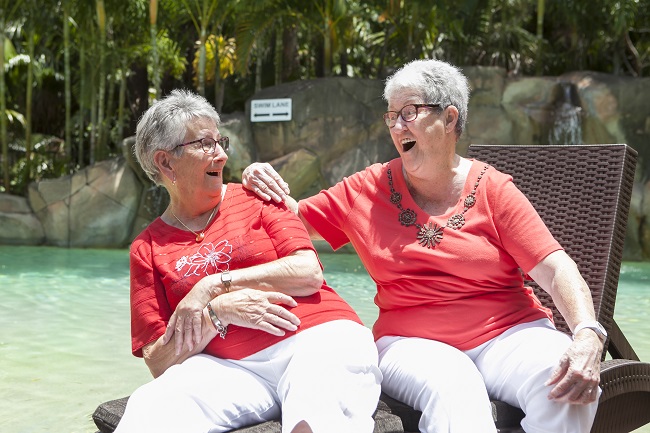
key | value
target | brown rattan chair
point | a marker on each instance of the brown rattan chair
(583, 194)
(108, 415)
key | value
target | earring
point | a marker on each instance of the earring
(174, 180)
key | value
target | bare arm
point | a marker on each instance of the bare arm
(263, 180)
(248, 308)
(578, 371)
(159, 356)
(298, 274)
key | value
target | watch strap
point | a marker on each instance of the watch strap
(594, 326)
(226, 280)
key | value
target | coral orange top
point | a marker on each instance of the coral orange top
(166, 262)
(465, 291)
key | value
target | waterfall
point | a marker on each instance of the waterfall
(566, 126)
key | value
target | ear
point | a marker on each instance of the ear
(164, 163)
(451, 117)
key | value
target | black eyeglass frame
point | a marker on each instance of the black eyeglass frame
(388, 120)
(209, 148)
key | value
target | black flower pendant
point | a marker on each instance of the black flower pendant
(430, 236)
(407, 217)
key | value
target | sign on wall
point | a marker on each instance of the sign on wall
(271, 110)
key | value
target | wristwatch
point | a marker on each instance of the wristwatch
(594, 326)
(226, 279)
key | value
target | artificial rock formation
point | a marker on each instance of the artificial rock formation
(335, 130)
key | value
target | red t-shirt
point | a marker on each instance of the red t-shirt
(167, 262)
(466, 290)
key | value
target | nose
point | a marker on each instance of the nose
(219, 154)
(400, 123)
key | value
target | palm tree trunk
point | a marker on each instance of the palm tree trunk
(155, 68)
(201, 72)
(3, 110)
(122, 101)
(278, 55)
(327, 40)
(101, 21)
(68, 84)
(218, 82)
(539, 68)
(82, 103)
(258, 67)
(28, 103)
(93, 125)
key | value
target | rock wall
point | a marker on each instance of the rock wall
(336, 130)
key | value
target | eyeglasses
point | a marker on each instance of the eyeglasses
(209, 145)
(408, 112)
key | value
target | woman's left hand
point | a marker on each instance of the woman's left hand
(185, 322)
(577, 376)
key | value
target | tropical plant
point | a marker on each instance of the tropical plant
(201, 13)
(8, 10)
(220, 59)
(106, 60)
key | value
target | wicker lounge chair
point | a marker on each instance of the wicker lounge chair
(108, 414)
(583, 194)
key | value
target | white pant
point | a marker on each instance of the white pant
(451, 387)
(326, 375)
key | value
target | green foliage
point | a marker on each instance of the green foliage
(217, 49)
(171, 58)
(47, 161)
(249, 44)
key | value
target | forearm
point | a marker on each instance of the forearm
(159, 357)
(559, 276)
(298, 274)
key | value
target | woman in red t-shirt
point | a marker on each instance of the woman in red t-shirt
(229, 308)
(446, 240)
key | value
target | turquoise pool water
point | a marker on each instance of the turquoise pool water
(64, 330)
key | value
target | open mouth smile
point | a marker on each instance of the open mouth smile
(408, 144)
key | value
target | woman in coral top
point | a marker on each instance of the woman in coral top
(229, 308)
(446, 239)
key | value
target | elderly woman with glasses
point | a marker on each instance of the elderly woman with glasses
(229, 307)
(446, 240)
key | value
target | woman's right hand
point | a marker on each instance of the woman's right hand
(256, 309)
(263, 180)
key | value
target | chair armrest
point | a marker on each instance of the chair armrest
(618, 346)
(623, 405)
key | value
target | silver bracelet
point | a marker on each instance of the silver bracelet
(222, 330)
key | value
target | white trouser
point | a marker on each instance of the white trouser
(451, 387)
(326, 375)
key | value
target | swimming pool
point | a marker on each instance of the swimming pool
(64, 330)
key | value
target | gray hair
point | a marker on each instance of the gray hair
(164, 125)
(437, 82)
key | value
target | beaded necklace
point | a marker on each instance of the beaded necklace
(430, 236)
